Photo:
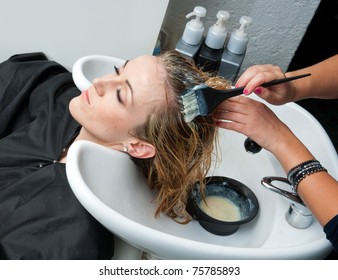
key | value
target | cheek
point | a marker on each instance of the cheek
(109, 128)
(106, 122)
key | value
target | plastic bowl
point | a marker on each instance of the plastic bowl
(237, 198)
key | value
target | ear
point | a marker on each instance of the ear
(141, 149)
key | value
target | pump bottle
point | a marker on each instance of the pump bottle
(234, 53)
(210, 53)
(192, 37)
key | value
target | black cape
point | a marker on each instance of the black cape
(40, 218)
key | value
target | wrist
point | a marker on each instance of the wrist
(299, 89)
(302, 170)
(290, 151)
(283, 140)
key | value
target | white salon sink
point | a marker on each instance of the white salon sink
(110, 187)
(87, 68)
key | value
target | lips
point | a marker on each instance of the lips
(85, 95)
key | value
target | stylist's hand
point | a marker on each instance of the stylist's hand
(256, 75)
(255, 120)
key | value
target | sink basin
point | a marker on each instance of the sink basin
(87, 68)
(110, 187)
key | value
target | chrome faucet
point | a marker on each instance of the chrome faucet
(297, 215)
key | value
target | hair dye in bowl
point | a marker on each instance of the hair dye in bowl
(220, 208)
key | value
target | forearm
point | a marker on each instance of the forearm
(319, 191)
(290, 151)
(323, 82)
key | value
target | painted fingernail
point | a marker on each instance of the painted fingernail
(258, 90)
(245, 92)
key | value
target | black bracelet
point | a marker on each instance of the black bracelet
(301, 166)
(312, 161)
(300, 171)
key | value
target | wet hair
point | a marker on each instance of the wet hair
(183, 150)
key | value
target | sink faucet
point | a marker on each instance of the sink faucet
(297, 215)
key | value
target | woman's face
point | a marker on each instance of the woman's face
(120, 101)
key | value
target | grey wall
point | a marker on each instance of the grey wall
(67, 30)
(277, 28)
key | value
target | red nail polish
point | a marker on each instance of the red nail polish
(258, 90)
(245, 92)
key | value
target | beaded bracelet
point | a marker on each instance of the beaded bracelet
(300, 171)
(303, 165)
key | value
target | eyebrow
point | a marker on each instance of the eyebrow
(129, 85)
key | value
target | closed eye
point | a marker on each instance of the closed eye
(118, 96)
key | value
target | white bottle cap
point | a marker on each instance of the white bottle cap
(238, 40)
(194, 29)
(217, 33)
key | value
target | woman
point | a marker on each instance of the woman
(317, 188)
(133, 110)
(136, 110)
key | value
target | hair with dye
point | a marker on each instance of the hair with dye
(183, 150)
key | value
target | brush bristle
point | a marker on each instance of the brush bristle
(190, 105)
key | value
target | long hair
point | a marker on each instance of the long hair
(183, 150)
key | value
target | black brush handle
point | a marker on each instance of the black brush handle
(284, 80)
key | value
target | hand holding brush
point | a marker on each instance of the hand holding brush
(202, 100)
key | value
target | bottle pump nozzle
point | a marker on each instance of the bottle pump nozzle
(198, 12)
(194, 29)
(239, 39)
(222, 18)
(245, 21)
(218, 33)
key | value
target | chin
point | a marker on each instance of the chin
(74, 109)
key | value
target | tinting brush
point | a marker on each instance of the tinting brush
(202, 100)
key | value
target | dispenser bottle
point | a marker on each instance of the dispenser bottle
(210, 53)
(192, 37)
(234, 53)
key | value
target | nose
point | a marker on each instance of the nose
(98, 86)
(104, 84)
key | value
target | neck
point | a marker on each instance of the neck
(85, 135)
(80, 136)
